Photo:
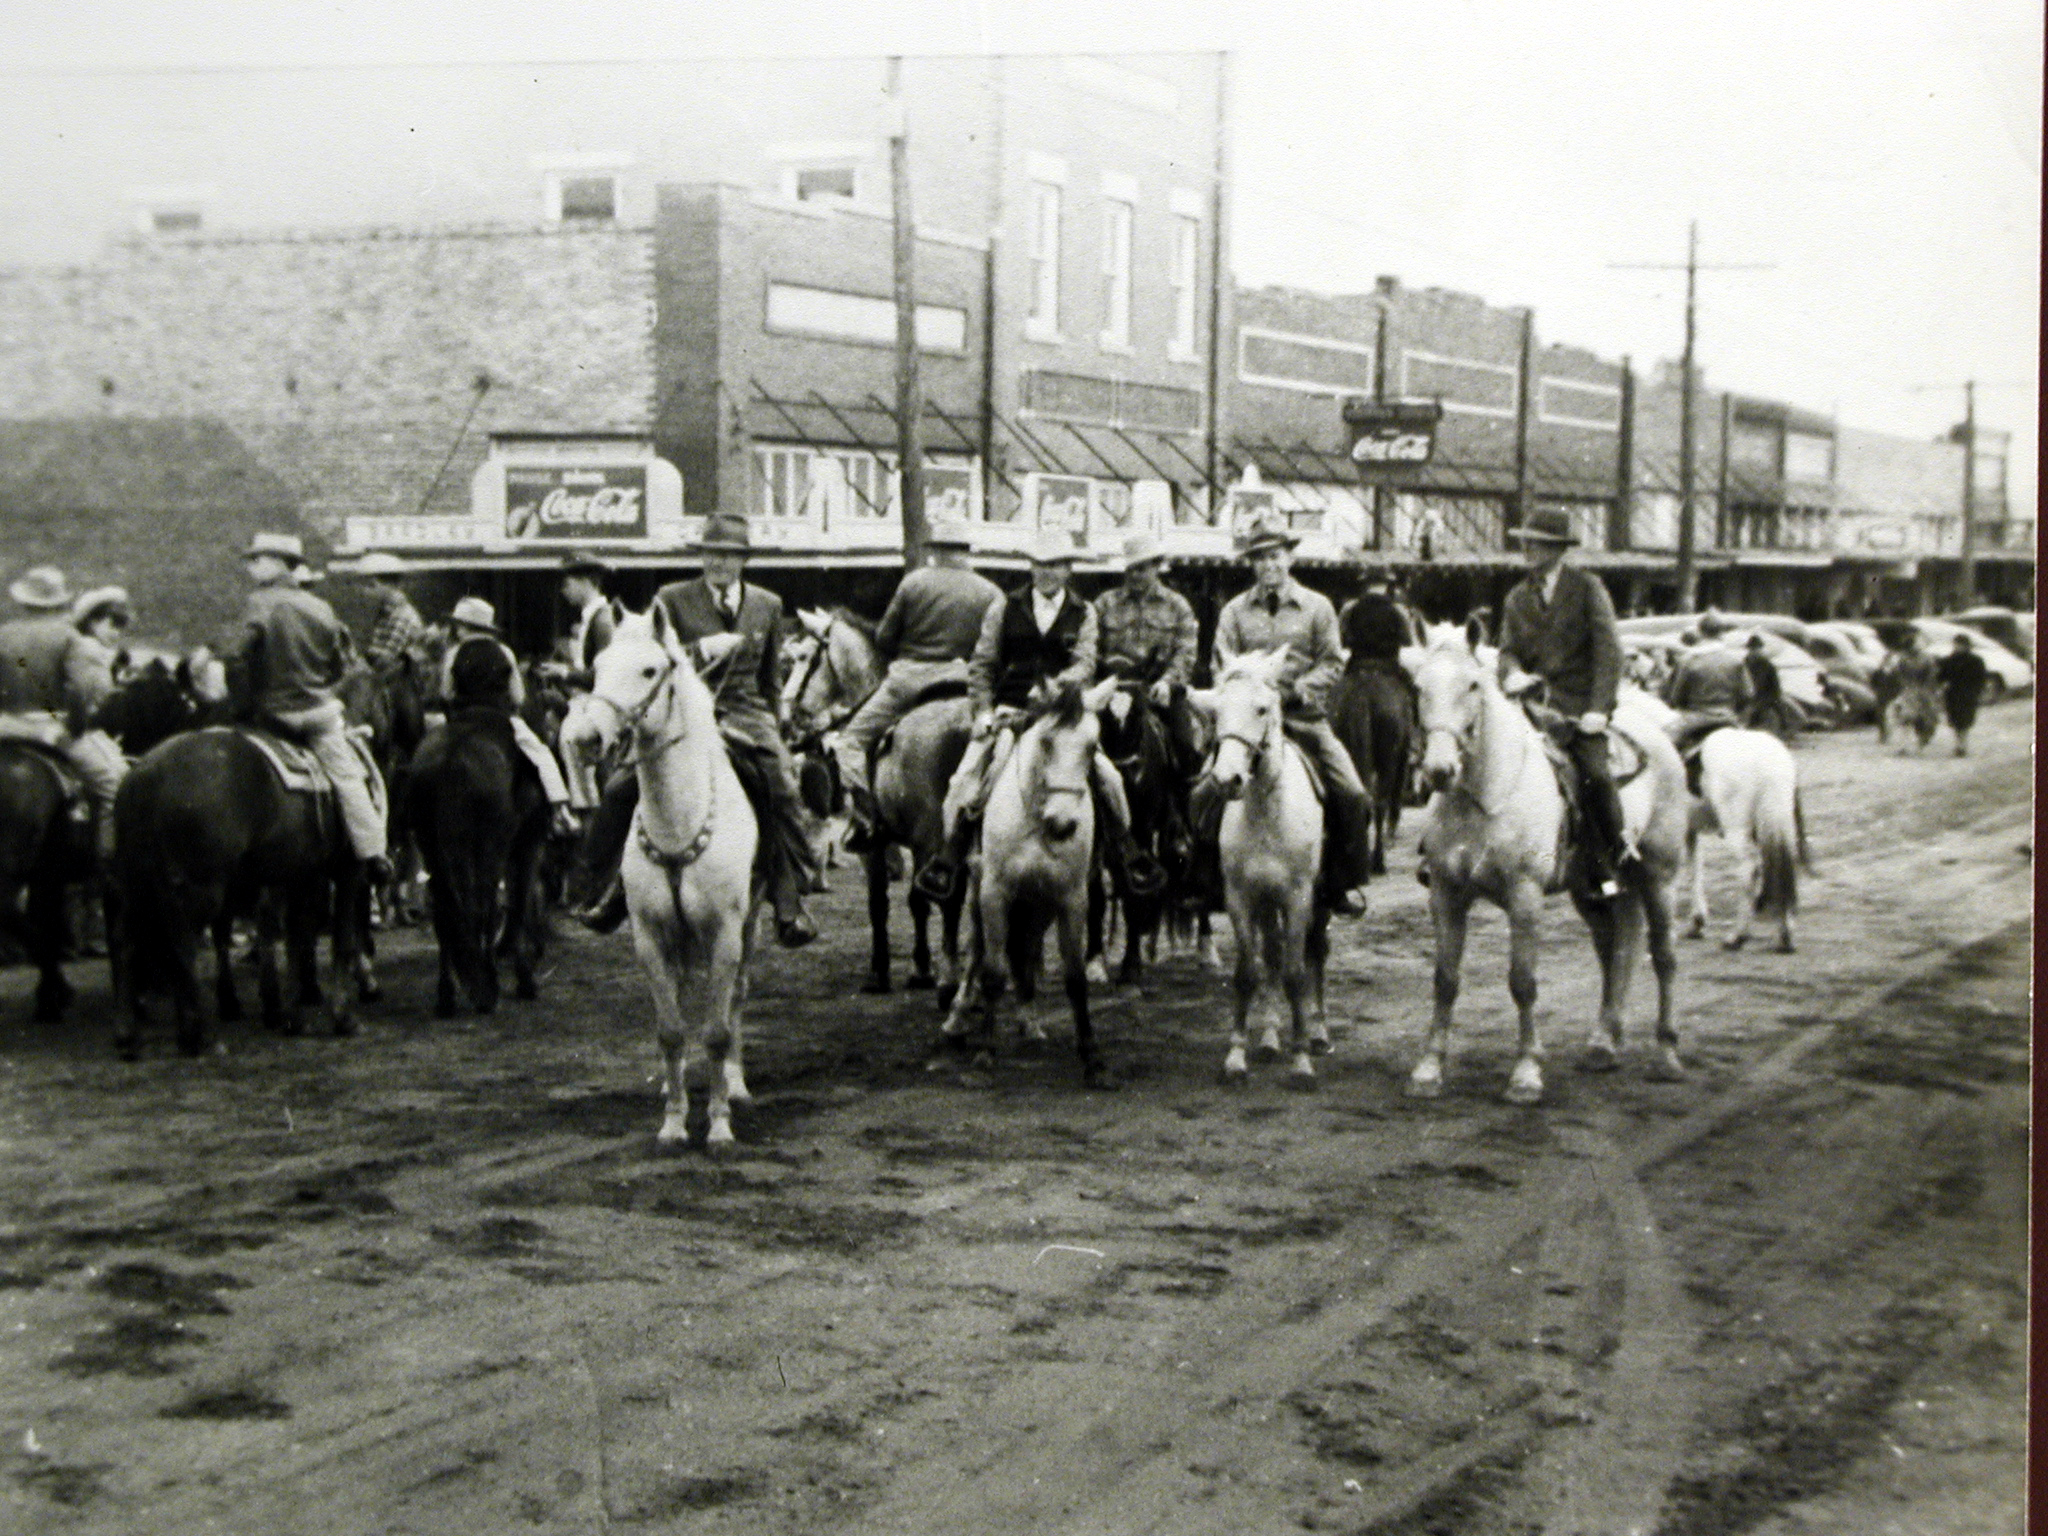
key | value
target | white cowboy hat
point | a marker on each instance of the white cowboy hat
(380, 563)
(1141, 549)
(42, 587)
(949, 533)
(1053, 547)
(474, 613)
(288, 547)
(91, 604)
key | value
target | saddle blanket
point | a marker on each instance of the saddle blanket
(297, 769)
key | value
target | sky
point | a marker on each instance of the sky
(1876, 164)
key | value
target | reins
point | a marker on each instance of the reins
(645, 753)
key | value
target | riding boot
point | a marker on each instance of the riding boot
(1205, 815)
(1141, 874)
(1604, 849)
(940, 878)
(862, 817)
(595, 896)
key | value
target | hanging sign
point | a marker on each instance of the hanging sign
(1392, 434)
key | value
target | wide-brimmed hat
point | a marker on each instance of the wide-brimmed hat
(42, 587)
(288, 547)
(585, 565)
(724, 532)
(99, 600)
(1141, 549)
(1262, 532)
(380, 563)
(1712, 626)
(305, 575)
(949, 533)
(474, 613)
(1545, 525)
(1371, 577)
(1054, 547)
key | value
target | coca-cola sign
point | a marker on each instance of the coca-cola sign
(571, 504)
(1392, 434)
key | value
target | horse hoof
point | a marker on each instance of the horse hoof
(946, 993)
(1523, 1093)
(719, 1142)
(1098, 973)
(1735, 941)
(369, 992)
(1696, 929)
(1234, 1069)
(1420, 1087)
(1319, 1044)
(1666, 1068)
(1301, 1076)
(920, 981)
(526, 991)
(1787, 947)
(1601, 1056)
(444, 1008)
(673, 1133)
(1268, 1048)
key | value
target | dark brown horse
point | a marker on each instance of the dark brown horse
(204, 831)
(1372, 710)
(42, 850)
(476, 813)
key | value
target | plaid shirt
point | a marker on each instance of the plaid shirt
(1145, 633)
(398, 627)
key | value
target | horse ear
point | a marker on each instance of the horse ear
(1274, 662)
(1204, 701)
(1092, 699)
(657, 618)
(1475, 634)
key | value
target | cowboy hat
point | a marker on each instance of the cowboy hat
(42, 587)
(305, 575)
(1545, 525)
(1142, 549)
(380, 563)
(474, 613)
(724, 532)
(91, 605)
(1052, 547)
(288, 547)
(584, 565)
(1264, 532)
(949, 533)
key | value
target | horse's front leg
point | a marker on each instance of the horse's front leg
(1525, 911)
(1295, 980)
(1449, 910)
(45, 935)
(875, 863)
(1656, 898)
(667, 986)
(722, 993)
(1244, 982)
(1073, 924)
(733, 1071)
(949, 949)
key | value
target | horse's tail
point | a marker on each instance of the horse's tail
(1780, 847)
(1799, 829)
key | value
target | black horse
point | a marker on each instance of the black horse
(475, 811)
(43, 846)
(1139, 741)
(1372, 710)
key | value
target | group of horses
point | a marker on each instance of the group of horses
(208, 834)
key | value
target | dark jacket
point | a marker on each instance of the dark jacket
(1963, 675)
(296, 649)
(1570, 642)
(34, 663)
(1013, 656)
(750, 680)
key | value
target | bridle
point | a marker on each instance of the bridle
(676, 860)
(1254, 749)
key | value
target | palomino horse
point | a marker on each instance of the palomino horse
(912, 767)
(1496, 830)
(1750, 785)
(1037, 848)
(1271, 842)
(689, 874)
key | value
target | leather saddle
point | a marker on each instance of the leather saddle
(298, 771)
(71, 785)
(1626, 757)
(931, 693)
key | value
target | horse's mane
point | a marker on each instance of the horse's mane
(845, 615)
(1061, 705)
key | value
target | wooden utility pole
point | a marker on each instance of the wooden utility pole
(1688, 575)
(1966, 567)
(1382, 496)
(1621, 531)
(1523, 389)
(909, 394)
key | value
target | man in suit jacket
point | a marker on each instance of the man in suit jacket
(733, 632)
(1557, 628)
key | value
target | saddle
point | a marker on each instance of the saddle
(298, 770)
(71, 784)
(1626, 757)
(931, 693)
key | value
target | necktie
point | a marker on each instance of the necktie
(1273, 604)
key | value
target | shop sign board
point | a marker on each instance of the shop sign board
(575, 503)
(1392, 435)
(949, 491)
(1059, 504)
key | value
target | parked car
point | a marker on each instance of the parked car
(1783, 625)
(1856, 637)
(2014, 631)
(1799, 675)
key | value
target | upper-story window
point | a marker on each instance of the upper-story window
(1187, 245)
(1045, 209)
(1119, 212)
(170, 210)
(823, 170)
(583, 188)
(816, 181)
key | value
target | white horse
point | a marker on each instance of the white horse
(1749, 782)
(1496, 830)
(1037, 848)
(689, 865)
(1271, 843)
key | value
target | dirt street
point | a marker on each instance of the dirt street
(437, 1278)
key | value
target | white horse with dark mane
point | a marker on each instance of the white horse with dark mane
(1496, 829)
(1749, 783)
(689, 874)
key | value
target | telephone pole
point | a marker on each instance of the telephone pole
(909, 394)
(1688, 575)
(1966, 566)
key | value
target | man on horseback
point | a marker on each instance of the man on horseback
(292, 652)
(54, 677)
(1042, 636)
(1710, 689)
(1278, 610)
(583, 579)
(926, 636)
(1557, 628)
(1147, 632)
(733, 631)
(398, 627)
(480, 672)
